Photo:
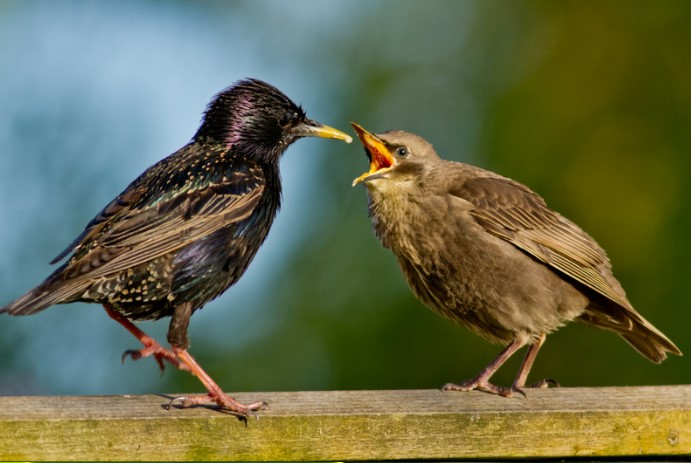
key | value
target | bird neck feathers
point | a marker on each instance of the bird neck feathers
(233, 121)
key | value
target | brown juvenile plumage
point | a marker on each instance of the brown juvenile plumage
(487, 252)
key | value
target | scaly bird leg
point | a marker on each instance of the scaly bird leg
(481, 381)
(151, 347)
(215, 395)
(527, 364)
(177, 337)
(183, 361)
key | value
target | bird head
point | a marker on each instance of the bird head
(259, 120)
(394, 156)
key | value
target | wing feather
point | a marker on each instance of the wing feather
(516, 214)
(140, 235)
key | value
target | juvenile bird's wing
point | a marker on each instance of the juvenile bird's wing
(516, 214)
(130, 232)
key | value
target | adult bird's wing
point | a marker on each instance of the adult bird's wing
(141, 225)
(133, 236)
(119, 206)
(516, 214)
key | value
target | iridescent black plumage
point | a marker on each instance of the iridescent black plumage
(188, 227)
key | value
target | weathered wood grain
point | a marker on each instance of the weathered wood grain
(354, 425)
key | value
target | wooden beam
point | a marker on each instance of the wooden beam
(355, 425)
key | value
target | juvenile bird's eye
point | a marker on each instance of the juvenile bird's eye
(402, 152)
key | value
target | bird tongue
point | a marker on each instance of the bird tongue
(376, 150)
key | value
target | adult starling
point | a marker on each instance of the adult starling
(487, 252)
(186, 229)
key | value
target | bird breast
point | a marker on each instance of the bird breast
(463, 273)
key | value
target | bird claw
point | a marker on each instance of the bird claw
(486, 386)
(134, 354)
(159, 353)
(480, 385)
(518, 390)
(544, 384)
(224, 402)
(180, 399)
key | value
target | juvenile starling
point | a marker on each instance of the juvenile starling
(487, 252)
(186, 229)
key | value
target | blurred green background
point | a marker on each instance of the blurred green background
(588, 103)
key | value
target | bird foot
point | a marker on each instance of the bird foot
(544, 384)
(151, 346)
(486, 386)
(224, 401)
(481, 385)
(160, 354)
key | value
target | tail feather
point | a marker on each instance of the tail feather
(636, 330)
(650, 345)
(43, 296)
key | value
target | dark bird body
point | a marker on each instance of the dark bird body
(487, 252)
(187, 228)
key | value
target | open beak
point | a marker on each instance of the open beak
(380, 159)
(312, 128)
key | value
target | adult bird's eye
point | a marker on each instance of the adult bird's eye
(284, 120)
(402, 152)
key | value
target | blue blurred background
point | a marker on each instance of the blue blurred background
(588, 103)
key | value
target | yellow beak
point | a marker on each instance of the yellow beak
(317, 129)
